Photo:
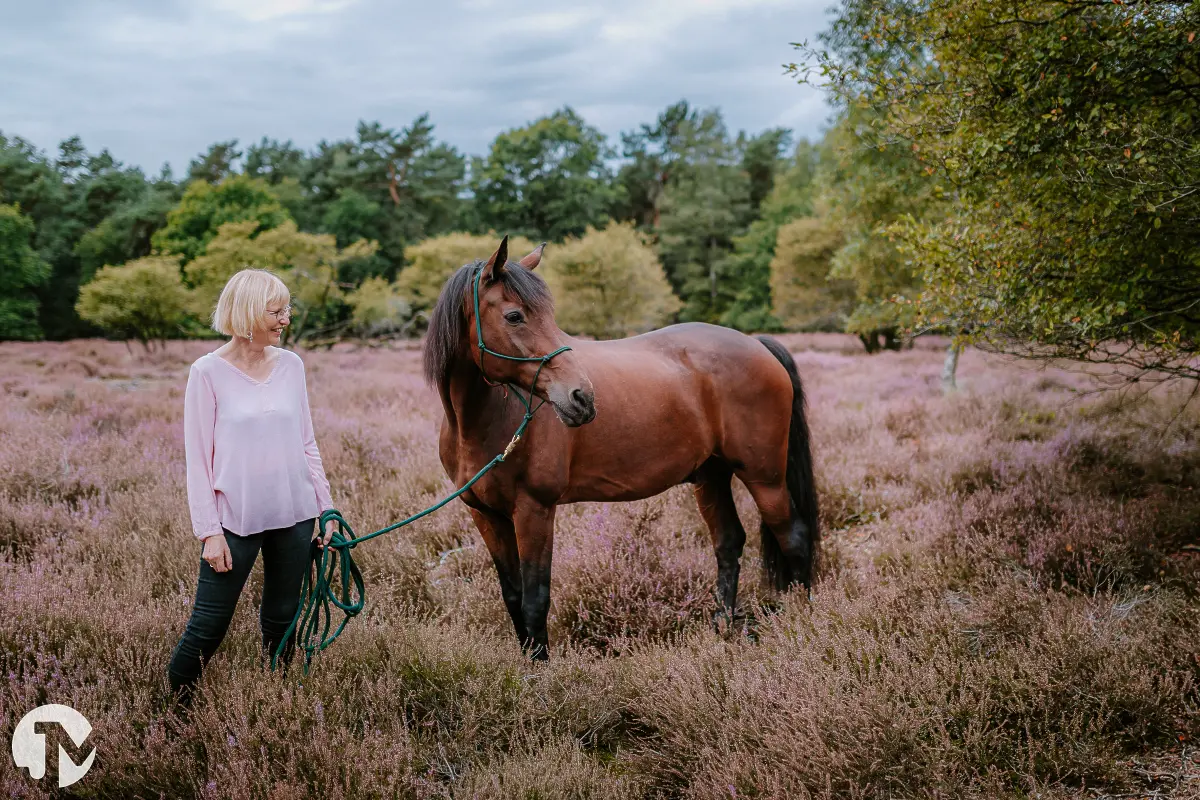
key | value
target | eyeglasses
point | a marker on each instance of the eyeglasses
(286, 311)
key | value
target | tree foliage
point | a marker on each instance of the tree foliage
(144, 300)
(205, 207)
(379, 308)
(432, 261)
(790, 197)
(547, 180)
(609, 283)
(1065, 134)
(709, 201)
(21, 271)
(805, 296)
(864, 184)
(307, 262)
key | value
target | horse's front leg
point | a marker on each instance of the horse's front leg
(535, 544)
(501, 540)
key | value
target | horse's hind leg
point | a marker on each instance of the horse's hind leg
(714, 496)
(501, 540)
(788, 563)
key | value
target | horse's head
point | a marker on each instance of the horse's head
(516, 317)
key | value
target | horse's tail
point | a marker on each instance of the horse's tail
(800, 485)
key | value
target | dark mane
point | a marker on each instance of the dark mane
(448, 321)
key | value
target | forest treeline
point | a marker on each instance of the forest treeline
(369, 226)
(1025, 178)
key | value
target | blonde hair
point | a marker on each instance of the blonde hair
(244, 300)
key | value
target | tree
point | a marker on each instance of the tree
(609, 283)
(144, 300)
(547, 180)
(306, 262)
(651, 155)
(379, 308)
(65, 197)
(393, 187)
(698, 191)
(125, 234)
(434, 260)
(1064, 134)
(204, 208)
(805, 296)
(217, 164)
(21, 271)
(701, 213)
(275, 161)
(865, 183)
(790, 197)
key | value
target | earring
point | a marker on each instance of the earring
(252, 336)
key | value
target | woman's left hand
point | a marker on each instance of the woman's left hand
(327, 533)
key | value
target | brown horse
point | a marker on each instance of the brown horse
(691, 403)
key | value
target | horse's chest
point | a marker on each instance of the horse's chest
(494, 490)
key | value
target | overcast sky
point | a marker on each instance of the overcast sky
(157, 81)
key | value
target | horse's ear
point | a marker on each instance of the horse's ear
(494, 267)
(533, 259)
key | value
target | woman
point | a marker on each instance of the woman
(254, 475)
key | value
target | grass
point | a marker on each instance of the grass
(1008, 606)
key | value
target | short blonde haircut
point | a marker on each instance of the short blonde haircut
(244, 300)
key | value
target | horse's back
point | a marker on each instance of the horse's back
(670, 399)
(714, 352)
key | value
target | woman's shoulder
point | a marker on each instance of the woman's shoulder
(289, 355)
(201, 363)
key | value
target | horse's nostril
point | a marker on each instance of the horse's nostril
(579, 397)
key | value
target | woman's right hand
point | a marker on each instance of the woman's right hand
(216, 553)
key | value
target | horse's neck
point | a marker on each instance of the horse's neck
(470, 403)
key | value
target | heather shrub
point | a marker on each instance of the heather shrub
(1007, 606)
(633, 573)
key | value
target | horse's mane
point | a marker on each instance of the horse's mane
(447, 322)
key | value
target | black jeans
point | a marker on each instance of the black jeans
(287, 553)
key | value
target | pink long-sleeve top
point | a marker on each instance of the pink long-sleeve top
(252, 458)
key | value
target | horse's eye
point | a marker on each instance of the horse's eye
(514, 317)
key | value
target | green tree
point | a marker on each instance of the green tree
(125, 234)
(805, 296)
(65, 197)
(217, 164)
(275, 161)
(1064, 134)
(865, 183)
(432, 261)
(307, 262)
(205, 207)
(702, 214)
(698, 190)
(21, 271)
(790, 197)
(547, 180)
(609, 283)
(380, 308)
(392, 187)
(652, 153)
(144, 300)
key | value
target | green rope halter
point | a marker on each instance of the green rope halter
(317, 593)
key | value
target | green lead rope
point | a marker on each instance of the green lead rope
(314, 615)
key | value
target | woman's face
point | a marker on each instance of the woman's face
(273, 321)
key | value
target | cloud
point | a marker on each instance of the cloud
(158, 81)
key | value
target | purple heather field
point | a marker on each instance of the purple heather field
(1007, 607)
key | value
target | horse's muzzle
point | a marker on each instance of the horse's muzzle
(578, 408)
